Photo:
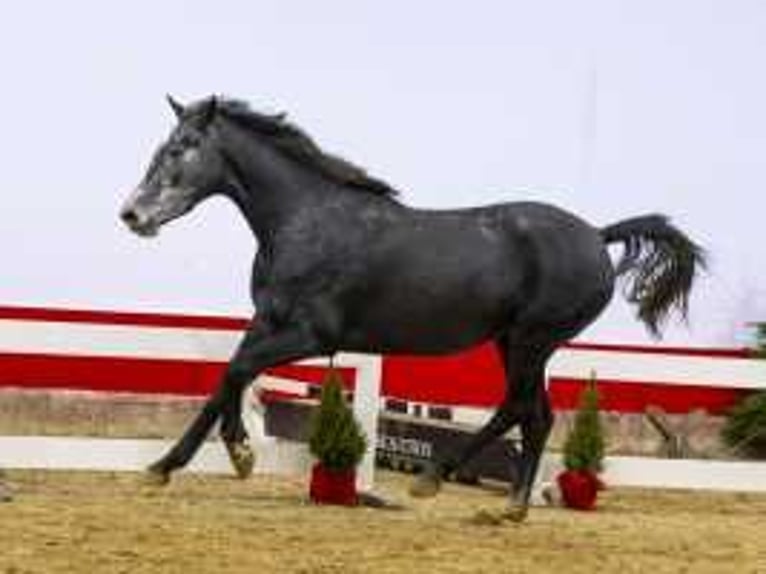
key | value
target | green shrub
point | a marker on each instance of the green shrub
(760, 340)
(335, 438)
(584, 446)
(745, 428)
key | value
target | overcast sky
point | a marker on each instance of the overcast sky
(609, 108)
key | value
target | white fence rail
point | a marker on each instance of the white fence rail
(60, 338)
(284, 457)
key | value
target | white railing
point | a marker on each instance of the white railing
(275, 455)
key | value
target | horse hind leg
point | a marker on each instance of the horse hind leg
(507, 415)
(527, 401)
(428, 483)
(535, 428)
(534, 416)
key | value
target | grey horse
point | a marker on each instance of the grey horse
(342, 265)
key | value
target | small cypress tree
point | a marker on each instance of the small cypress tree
(336, 438)
(584, 446)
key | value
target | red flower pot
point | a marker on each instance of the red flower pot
(579, 488)
(333, 486)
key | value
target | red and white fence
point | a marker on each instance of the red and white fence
(171, 354)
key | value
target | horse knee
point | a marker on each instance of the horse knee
(238, 375)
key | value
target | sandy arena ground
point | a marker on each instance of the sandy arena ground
(113, 523)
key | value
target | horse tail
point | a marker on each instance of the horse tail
(659, 266)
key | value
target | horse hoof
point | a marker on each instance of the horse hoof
(517, 513)
(488, 518)
(154, 476)
(242, 457)
(425, 486)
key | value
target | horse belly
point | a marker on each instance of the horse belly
(431, 317)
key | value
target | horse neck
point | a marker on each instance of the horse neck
(269, 188)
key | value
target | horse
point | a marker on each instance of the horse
(343, 265)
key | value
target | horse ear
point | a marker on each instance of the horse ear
(209, 111)
(177, 107)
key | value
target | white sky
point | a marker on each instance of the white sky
(609, 108)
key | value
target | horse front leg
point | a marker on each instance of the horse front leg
(235, 437)
(232, 428)
(262, 347)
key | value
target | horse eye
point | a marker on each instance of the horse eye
(189, 142)
(175, 151)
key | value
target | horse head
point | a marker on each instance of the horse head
(184, 170)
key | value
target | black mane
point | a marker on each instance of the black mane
(294, 142)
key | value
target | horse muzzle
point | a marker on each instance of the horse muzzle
(139, 223)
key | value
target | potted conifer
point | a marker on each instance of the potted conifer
(583, 454)
(338, 444)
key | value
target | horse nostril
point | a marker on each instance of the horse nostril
(130, 217)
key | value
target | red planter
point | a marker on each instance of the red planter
(579, 488)
(333, 486)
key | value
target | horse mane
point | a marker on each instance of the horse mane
(297, 144)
